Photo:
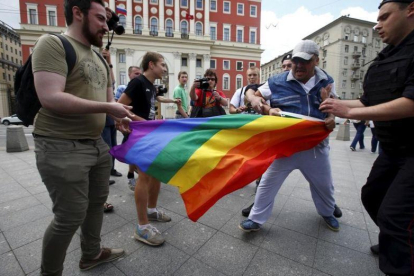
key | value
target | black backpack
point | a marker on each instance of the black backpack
(27, 102)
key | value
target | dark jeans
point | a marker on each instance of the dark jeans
(375, 142)
(109, 136)
(388, 196)
(359, 136)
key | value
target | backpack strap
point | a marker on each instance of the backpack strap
(69, 51)
(103, 61)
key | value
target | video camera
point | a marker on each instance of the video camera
(113, 26)
(204, 84)
(161, 90)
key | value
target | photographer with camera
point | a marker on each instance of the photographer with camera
(208, 101)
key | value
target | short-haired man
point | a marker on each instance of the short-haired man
(297, 91)
(142, 94)
(237, 101)
(287, 63)
(181, 94)
(71, 156)
(388, 100)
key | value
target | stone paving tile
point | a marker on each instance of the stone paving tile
(371, 226)
(228, 255)
(196, 267)
(112, 221)
(290, 244)
(22, 217)
(148, 261)
(71, 266)
(13, 195)
(352, 218)
(216, 217)
(307, 224)
(9, 266)
(4, 245)
(10, 207)
(269, 263)
(303, 193)
(337, 260)
(349, 203)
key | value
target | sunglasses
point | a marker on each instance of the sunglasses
(211, 79)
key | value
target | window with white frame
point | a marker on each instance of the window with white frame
(253, 11)
(345, 60)
(252, 37)
(213, 63)
(199, 63)
(154, 25)
(121, 58)
(199, 29)
(226, 32)
(199, 4)
(213, 31)
(51, 15)
(343, 84)
(240, 34)
(184, 27)
(226, 7)
(226, 64)
(240, 9)
(154, 2)
(239, 65)
(184, 61)
(356, 38)
(239, 81)
(226, 82)
(122, 20)
(353, 85)
(345, 72)
(346, 48)
(184, 3)
(169, 3)
(138, 24)
(213, 5)
(169, 26)
(122, 77)
(252, 64)
(32, 15)
(364, 40)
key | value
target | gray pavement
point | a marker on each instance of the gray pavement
(295, 241)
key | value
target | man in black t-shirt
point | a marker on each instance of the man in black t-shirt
(141, 95)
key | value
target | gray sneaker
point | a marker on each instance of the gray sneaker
(150, 236)
(131, 183)
(159, 216)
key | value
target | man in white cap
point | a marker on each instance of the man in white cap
(298, 91)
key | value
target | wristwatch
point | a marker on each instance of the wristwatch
(111, 66)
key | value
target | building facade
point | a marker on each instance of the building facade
(347, 46)
(192, 35)
(10, 61)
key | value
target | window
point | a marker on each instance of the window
(7, 57)
(12, 59)
(226, 82)
(4, 76)
(324, 53)
(168, 2)
(253, 11)
(52, 18)
(346, 48)
(184, 27)
(184, 3)
(154, 25)
(239, 81)
(377, 43)
(364, 40)
(7, 47)
(32, 16)
(122, 77)
(352, 96)
(240, 9)
(213, 5)
(239, 35)
(169, 27)
(356, 38)
(363, 51)
(199, 63)
(121, 58)
(199, 4)
(212, 63)
(122, 20)
(252, 37)
(226, 64)
(226, 7)
(353, 84)
(184, 61)
(324, 65)
(199, 29)
(360, 85)
(154, 2)
(346, 61)
(226, 33)
(343, 84)
(138, 24)
(239, 65)
(355, 49)
(252, 64)
(346, 37)
(213, 30)
(9, 77)
(345, 72)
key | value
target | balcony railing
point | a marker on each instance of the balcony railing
(138, 29)
(154, 31)
(184, 33)
(356, 54)
(356, 65)
(169, 32)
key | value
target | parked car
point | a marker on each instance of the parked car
(13, 119)
(339, 120)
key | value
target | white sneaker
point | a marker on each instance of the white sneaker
(131, 183)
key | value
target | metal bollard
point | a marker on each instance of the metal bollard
(16, 141)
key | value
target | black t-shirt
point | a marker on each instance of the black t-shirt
(142, 93)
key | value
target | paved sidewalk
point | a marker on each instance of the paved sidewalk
(295, 241)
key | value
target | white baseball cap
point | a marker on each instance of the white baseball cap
(305, 50)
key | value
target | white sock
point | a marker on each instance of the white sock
(142, 227)
(152, 210)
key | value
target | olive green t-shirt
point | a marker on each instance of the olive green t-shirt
(88, 79)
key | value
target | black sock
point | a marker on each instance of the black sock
(130, 175)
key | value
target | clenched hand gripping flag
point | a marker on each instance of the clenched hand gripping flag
(207, 158)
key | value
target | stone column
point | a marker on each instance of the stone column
(145, 20)
(176, 18)
(192, 69)
(114, 65)
(206, 62)
(207, 18)
(191, 23)
(129, 28)
(161, 14)
(129, 55)
(177, 68)
(112, 4)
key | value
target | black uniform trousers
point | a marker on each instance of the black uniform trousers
(388, 196)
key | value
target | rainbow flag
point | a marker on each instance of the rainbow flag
(208, 158)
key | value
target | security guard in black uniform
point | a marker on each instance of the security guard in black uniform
(388, 100)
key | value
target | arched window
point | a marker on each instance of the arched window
(122, 20)
(226, 82)
(169, 25)
(199, 29)
(138, 24)
(239, 81)
(184, 27)
(154, 24)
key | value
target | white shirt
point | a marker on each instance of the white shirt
(237, 100)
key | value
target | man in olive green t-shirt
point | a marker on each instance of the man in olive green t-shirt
(71, 156)
(180, 93)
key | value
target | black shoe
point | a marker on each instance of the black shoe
(246, 211)
(375, 249)
(337, 212)
(115, 173)
(111, 181)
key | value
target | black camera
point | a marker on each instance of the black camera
(113, 24)
(203, 83)
(161, 90)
